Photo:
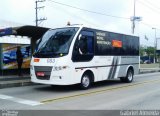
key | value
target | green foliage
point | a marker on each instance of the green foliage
(142, 51)
(147, 50)
(150, 51)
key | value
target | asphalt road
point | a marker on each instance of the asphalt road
(143, 93)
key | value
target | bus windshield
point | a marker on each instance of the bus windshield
(55, 42)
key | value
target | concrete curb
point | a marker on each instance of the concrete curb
(148, 71)
(14, 78)
(15, 83)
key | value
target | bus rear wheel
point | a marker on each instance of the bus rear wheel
(129, 77)
(85, 82)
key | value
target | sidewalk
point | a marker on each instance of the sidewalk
(16, 81)
(149, 70)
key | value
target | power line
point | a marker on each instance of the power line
(108, 15)
(155, 6)
(149, 7)
(146, 24)
(79, 17)
(149, 25)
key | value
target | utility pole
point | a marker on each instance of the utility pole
(134, 13)
(155, 46)
(134, 17)
(158, 57)
(38, 8)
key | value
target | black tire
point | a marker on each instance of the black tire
(85, 82)
(128, 78)
(122, 79)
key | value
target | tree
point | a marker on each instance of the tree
(150, 51)
(142, 50)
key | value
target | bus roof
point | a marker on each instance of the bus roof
(84, 26)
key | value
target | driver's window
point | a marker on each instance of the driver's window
(84, 47)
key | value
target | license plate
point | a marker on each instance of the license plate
(40, 74)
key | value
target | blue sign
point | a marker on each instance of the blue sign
(7, 31)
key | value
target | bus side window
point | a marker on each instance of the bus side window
(84, 47)
(86, 43)
(90, 45)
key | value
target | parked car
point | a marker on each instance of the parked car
(147, 62)
(141, 61)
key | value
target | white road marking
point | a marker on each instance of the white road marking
(5, 97)
(19, 100)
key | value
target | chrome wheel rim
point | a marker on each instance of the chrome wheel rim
(85, 81)
(130, 76)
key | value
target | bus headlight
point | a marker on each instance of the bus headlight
(57, 68)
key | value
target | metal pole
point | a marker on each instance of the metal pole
(155, 46)
(36, 15)
(158, 57)
(134, 14)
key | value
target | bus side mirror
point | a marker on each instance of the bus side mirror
(81, 37)
(80, 41)
(82, 44)
(37, 41)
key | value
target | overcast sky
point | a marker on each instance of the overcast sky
(22, 12)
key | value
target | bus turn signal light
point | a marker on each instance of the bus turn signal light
(36, 60)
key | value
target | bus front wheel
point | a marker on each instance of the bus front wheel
(85, 82)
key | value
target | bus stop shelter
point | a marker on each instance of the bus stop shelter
(33, 32)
